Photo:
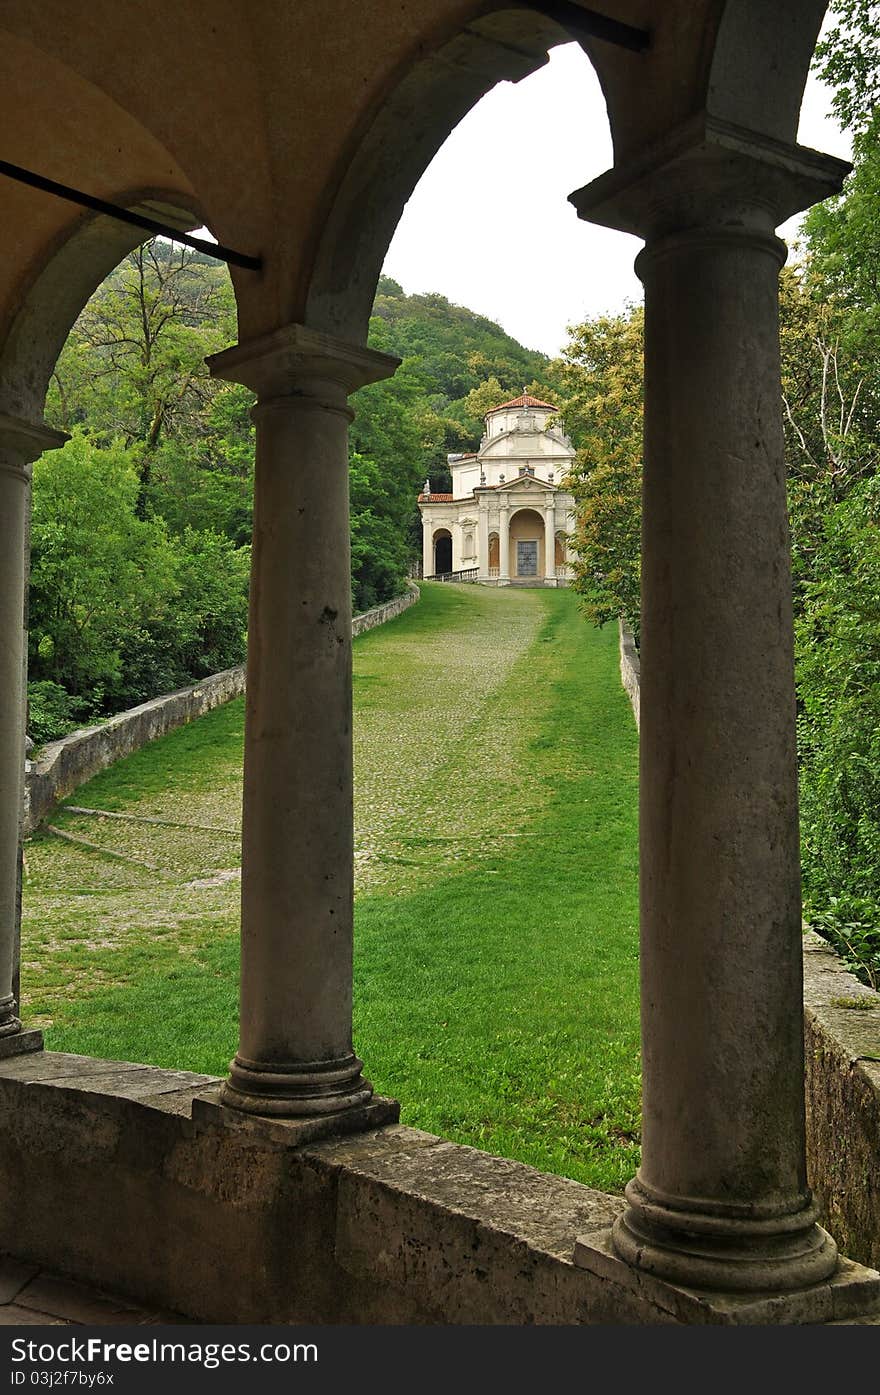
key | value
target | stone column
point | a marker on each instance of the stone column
(21, 442)
(550, 544)
(483, 538)
(427, 547)
(721, 1200)
(295, 1055)
(503, 542)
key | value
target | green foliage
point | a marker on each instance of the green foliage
(120, 609)
(133, 366)
(848, 59)
(838, 667)
(52, 712)
(852, 925)
(454, 352)
(141, 529)
(97, 570)
(602, 377)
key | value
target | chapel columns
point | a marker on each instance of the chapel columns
(295, 1055)
(503, 541)
(721, 1200)
(550, 543)
(21, 442)
(483, 538)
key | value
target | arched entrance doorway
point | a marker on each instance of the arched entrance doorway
(527, 562)
(442, 552)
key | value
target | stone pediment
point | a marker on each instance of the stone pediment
(529, 483)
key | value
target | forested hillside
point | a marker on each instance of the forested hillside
(142, 523)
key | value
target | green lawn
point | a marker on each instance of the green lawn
(496, 852)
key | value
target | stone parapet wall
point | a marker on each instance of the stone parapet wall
(64, 765)
(630, 669)
(242, 1224)
(842, 1037)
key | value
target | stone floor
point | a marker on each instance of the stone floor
(30, 1297)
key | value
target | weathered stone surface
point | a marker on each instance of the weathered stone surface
(227, 1224)
(20, 1043)
(14, 1275)
(370, 619)
(210, 1113)
(74, 1303)
(843, 1100)
(13, 1316)
(630, 670)
(851, 1290)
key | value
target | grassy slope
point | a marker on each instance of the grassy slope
(496, 977)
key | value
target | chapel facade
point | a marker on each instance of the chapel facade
(509, 517)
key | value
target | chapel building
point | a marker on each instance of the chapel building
(509, 517)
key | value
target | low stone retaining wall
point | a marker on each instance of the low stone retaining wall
(630, 670)
(66, 764)
(842, 1046)
(369, 619)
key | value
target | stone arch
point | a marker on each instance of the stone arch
(68, 275)
(441, 544)
(760, 62)
(388, 160)
(527, 544)
(730, 60)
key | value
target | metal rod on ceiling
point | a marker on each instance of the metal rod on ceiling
(125, 215)
(593, 25)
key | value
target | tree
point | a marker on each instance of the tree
(97, 570)
(848, 59)
(133, 366)
(602, 376)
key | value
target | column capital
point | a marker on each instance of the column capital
(25, 440)
(295, 361)
(710, 174)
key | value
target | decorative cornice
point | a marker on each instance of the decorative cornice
(290, 361)
(24, 441)
(710, 173)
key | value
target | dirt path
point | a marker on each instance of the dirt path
(444, 699)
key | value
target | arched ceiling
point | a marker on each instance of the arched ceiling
(296, 129)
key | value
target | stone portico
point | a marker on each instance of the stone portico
(303, 132)
(509, 517)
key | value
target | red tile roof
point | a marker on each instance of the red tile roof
(524, 400)
(436, 498)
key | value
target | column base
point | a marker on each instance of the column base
(293, 1090)
(710, 1247)
(16, 1043)
(213, 1110)
(851, 1291)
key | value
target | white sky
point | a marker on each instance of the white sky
(471, 231)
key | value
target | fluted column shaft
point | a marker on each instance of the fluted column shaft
(295, 1055)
